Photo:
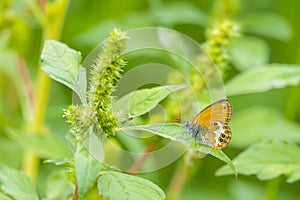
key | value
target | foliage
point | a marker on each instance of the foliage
(16, 184)
(255, 47)
(115, 185)
(268, 160)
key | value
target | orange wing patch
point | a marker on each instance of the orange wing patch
(210, 126)
(220, 111)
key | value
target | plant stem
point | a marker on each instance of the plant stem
(35, 125)
(292, 102)
(139, 163)
(184, 171)
(42, 91)
(178, 181)
(31, 162)
(293, 97)
(75, 195)
(27, 87)
(37, 11)
(272, 187)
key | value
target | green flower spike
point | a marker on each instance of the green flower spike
(105, 72)
(218, 40)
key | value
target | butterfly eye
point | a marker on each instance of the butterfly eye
(221, 140)
(223, 135)
(215, 124)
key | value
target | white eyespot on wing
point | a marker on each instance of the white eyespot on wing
(219, 131)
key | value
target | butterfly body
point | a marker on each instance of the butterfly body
(210, 126)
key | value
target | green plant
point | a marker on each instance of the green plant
(260, 68)
(94, 116)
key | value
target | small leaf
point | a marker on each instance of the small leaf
(81, 86)
(177, 132)
(142, 101)
(216, 153)
(94, 144)
(272, 76)
(173, 131)
(57, 186)
(60, 162)
(16, 184)
(267, 24)
(87, 169)
(46, 146)
(61, 63)
(254, 124)
(118, 186)
(249, 52)
(268, 160)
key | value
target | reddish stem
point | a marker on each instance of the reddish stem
(43, 4)
(177, 182)
(139, 163)
(75, 195)
(26, 81)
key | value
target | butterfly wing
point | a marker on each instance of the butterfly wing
(213, 123)
(220, 111)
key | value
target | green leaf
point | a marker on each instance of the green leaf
(16, 184)
(249, 52)
(46, 146)
(87, 169)
(60, 162)
(177, 132)
(10, 153)
(119, 186)
(142, 101)
(268, 160)
(62, 64)
(173, 131)
(267, 24)
(57, 186)
(173, 13)
(258, 123)
(81, 86)
(4, 197)
(272, 76)
(246, 190)
(8, 62)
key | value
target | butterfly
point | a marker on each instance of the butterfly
(210, 126)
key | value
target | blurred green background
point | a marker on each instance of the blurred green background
(269, 32)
